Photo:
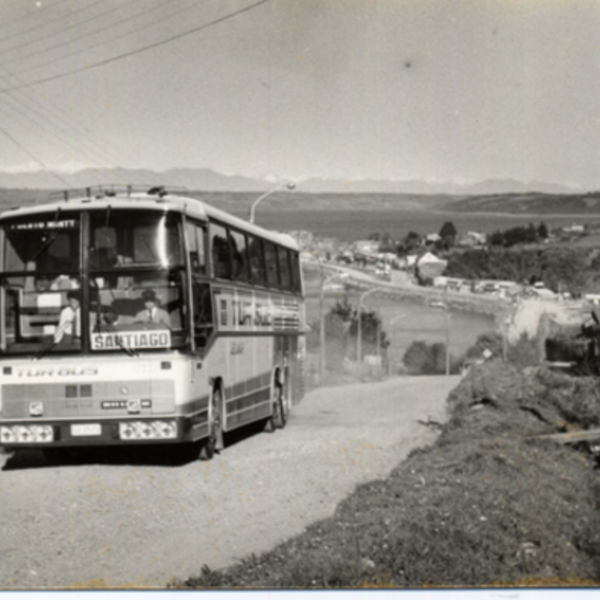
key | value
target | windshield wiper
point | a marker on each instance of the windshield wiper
(129, 351)
(45, 349)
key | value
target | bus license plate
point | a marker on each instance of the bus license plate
(86, 429)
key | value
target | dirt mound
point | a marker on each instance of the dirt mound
(528, 401)
(487, 504)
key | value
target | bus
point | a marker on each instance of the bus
(134, 317)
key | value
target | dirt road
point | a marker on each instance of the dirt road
(143, 522)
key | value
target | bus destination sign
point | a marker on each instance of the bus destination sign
(144, 340)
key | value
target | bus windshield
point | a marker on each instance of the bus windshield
(125, 293)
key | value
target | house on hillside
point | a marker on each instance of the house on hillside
(432, 238)
(473, 239)
(366, 247)
(304, 239)
(430, 266)
(575, 228)
(406, 262)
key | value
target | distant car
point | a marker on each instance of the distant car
(345, 258)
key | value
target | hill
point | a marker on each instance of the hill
(530, 203)
(239, 202)
(207, 179)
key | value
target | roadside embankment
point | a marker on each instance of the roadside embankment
(489, 503)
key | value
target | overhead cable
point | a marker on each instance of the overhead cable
(45, 24)
(94, 33)
(31, 155)
(29, 15)
(139, 50)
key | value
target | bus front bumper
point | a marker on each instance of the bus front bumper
(18, 435)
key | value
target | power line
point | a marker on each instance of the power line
(93, 34)
(31, 155)
(27, 16)
(55, 111)
(139, 50)
(45, 24)
(34, 119)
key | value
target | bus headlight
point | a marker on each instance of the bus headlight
(7, 435)
(148, 430)
(26, 434)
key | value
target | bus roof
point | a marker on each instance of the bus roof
(154, 199)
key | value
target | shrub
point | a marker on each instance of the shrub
(525, 353)
(428, 359)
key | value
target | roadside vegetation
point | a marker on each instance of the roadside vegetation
(489, 503)
(341, 326)
(561, 268)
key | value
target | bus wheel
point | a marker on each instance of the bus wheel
(214, 441)
(279, 415)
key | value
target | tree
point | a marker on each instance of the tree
(496, 238)
(448, 234)
(418, 358)
(428, 359)
(491, 341)
(425, 359)
(531, 234)
(412, 241)
(387, 244)
(542, 230)
(341, 333)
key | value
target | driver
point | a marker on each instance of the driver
(152, 313)
(69, 324)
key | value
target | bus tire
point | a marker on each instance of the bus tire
(279, 415)
(214, 441)
(269, 425)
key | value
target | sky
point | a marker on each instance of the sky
(434, 90)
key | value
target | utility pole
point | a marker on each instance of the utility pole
(444, 307)
(447, 342)
(290, 186)
(359, 336)
(322, 341)
(378, 339)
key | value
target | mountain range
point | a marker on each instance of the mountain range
(209, 180)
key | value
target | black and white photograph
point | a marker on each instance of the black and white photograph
(300, 295)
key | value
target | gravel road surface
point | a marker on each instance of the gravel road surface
(142, 521)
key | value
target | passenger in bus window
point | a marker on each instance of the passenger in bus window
(43, 283)
(69, 324)
(152, 313)
(239, 266)
(46, 283)
(65, 282)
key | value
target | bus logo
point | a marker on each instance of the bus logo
(36, 409)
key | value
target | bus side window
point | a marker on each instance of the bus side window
(284, 268)
(271, 265)
(203, 313)
(296, 275)
(195, 240)
(220, 253)
(257, 264)
(239, 256)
